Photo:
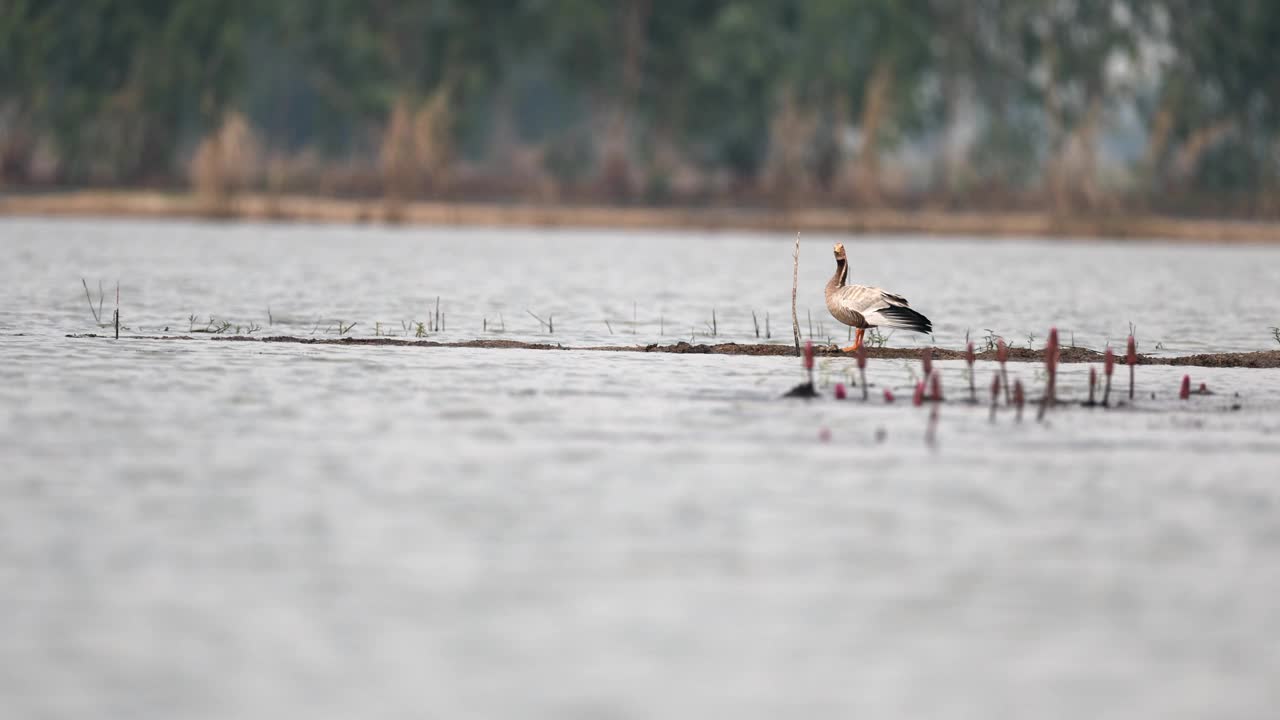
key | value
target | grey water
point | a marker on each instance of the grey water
(206, 529)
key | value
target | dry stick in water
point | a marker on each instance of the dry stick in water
(968, 359)
(117, 312)
(795, 281)
(755, 322)
(1019, 399)
(546, 323)
(437, 313)
(1093, 382)
(1108, 367)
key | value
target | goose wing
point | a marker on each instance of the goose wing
(880, 308)
(864, 299)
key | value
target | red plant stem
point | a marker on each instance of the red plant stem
(1184, 393)
(840, 393)
(931, 431)
(1051, 365)
(1002, 355)
(1108, 367)
(995, 394)
(926, 361)
(862, 369)
(917, 399)
(808, 360)
(935, 387)
(1131, 356)
(888, 396)
(1093, 381)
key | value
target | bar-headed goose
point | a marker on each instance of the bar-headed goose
(862, 307)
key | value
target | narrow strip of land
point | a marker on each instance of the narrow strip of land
(151, 204)
(1259, 359)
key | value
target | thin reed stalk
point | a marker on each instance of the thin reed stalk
(795, 281)
(97, 319)
(969, 359)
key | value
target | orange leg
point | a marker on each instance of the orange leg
(857, 342)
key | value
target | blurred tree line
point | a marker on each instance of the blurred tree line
(1061, 104)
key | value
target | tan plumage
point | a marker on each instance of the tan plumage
(862, 307)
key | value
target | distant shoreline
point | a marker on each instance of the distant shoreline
(316, 209)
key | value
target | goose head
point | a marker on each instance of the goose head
(842, 266)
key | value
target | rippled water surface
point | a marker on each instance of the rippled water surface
(222, 529)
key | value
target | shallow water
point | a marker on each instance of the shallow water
(1181, 299)
(207, 529)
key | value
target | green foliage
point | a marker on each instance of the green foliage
(121, 89)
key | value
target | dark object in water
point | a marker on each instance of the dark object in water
(803, 390)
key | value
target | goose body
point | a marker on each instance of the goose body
(862, 307)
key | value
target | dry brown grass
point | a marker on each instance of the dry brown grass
(416, 156)
(225, 164)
